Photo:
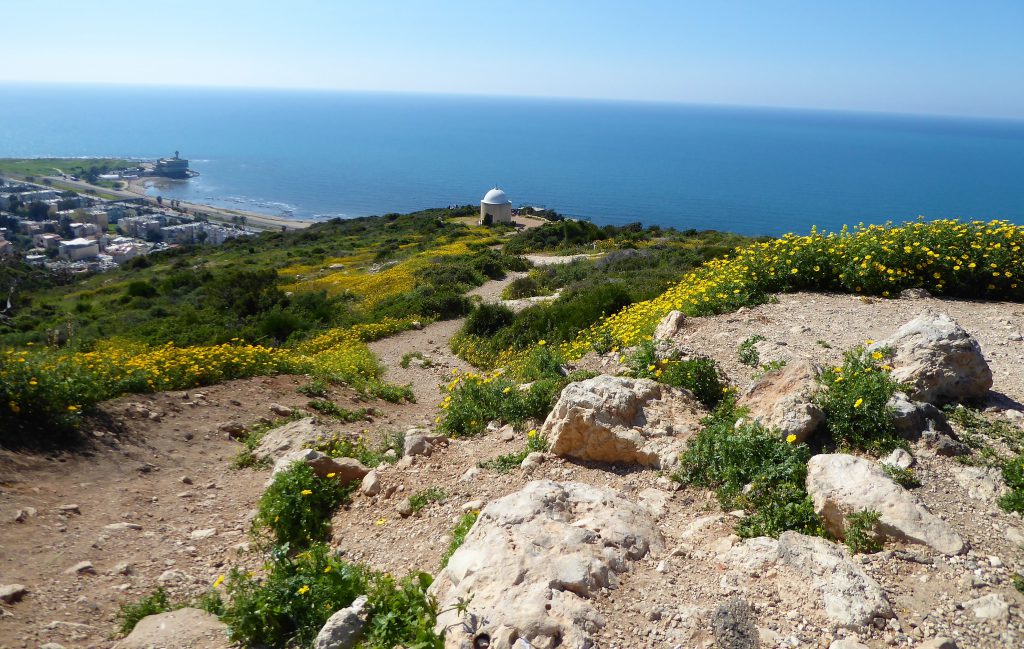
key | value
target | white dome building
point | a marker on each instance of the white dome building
(497, 206)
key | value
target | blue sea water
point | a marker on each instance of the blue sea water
(312, 154)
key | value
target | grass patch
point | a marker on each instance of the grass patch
(511, 461)
(422, 498)
(905, 478)
(459, 533)
(130, 614)
(356, 446)
(316, 388)
(331, 409)
(1013, 475)
(409, 356)
(752, 469)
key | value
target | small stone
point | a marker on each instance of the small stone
(995, 562)
(81, 567)
(121, 527)
(470, 474)
(938, 643)
(70, 509)
(25, 514)
(343, 629)
(472, 505)
(370, 485)
(123, 568)
(405, 508)
(51, 645)
(234, 429)
(989, 607)
(734, 625)
(532, 461)
(281, 411)
(199, 535)
(185, 479)
(900, 459)
(11, 593)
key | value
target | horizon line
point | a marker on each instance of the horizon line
(567, 98)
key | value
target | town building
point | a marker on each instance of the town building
(495, 208)
(46, 241)
(78, 249)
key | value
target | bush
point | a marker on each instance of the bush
(748, 352)
(856, 403)
(154, 603)
(698, 375)
(535, 443)
(292, 602)
(332, 409)
(296, 509)
(860, 535)
(487, 319)
(473, 400)
(728, 458)
(1013, 475)
(522, 287)
(903, 477)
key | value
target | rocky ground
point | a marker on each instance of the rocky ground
(152, 501)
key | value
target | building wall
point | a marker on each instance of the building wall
(499, 213)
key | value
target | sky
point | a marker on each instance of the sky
(949, 57)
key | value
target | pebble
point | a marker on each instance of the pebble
(70, 509)
(81, 567)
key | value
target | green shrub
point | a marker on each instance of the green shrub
(296, 508)
(903, 477)
(748, 352)
(422, 498)
(698, 375)
(859, 534)
(473, 400)
(1013, 475)
(332, 409)
(459, 533)
(487, 319)
(522, 287)
(152, 604)
(401, 613)
(292, 602)
(751, 468)
(855, 403)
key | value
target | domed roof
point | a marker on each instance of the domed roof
(495, 197)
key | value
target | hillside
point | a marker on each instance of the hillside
(637, 437)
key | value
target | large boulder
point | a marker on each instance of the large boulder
(622, 420)
(289, 437)
(784, 399)
(810, 573)
(185, 627)
(940, 361)
(840, 485)
(534, 560)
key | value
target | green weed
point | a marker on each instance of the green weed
(748, 352)
(859, 534)
(459, 533)
(130, 614)
(296, 508)
(422, 498)
(698, 375)
(906, 478)
(855, 403)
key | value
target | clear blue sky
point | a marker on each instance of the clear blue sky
(919, 56)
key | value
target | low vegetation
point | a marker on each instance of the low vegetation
(387, 451)
(535, 443)
(295, 510)
(753, 469)
(459, 533)
(421, 499)
(856, 402)
(699, 375)
(859, 535)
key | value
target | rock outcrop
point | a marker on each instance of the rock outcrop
(811, 572)
(784, 399)
(534, 559)
(940, 361)
(840, 485)
(670, 326)
(342, 629)
(185, 627)
(623, 421)
(290, 437)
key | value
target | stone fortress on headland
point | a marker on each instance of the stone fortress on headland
(495, 207)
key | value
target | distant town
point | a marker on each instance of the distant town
(65, 230)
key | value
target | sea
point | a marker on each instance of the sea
(320, 155)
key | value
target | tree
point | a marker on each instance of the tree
(159, 200)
